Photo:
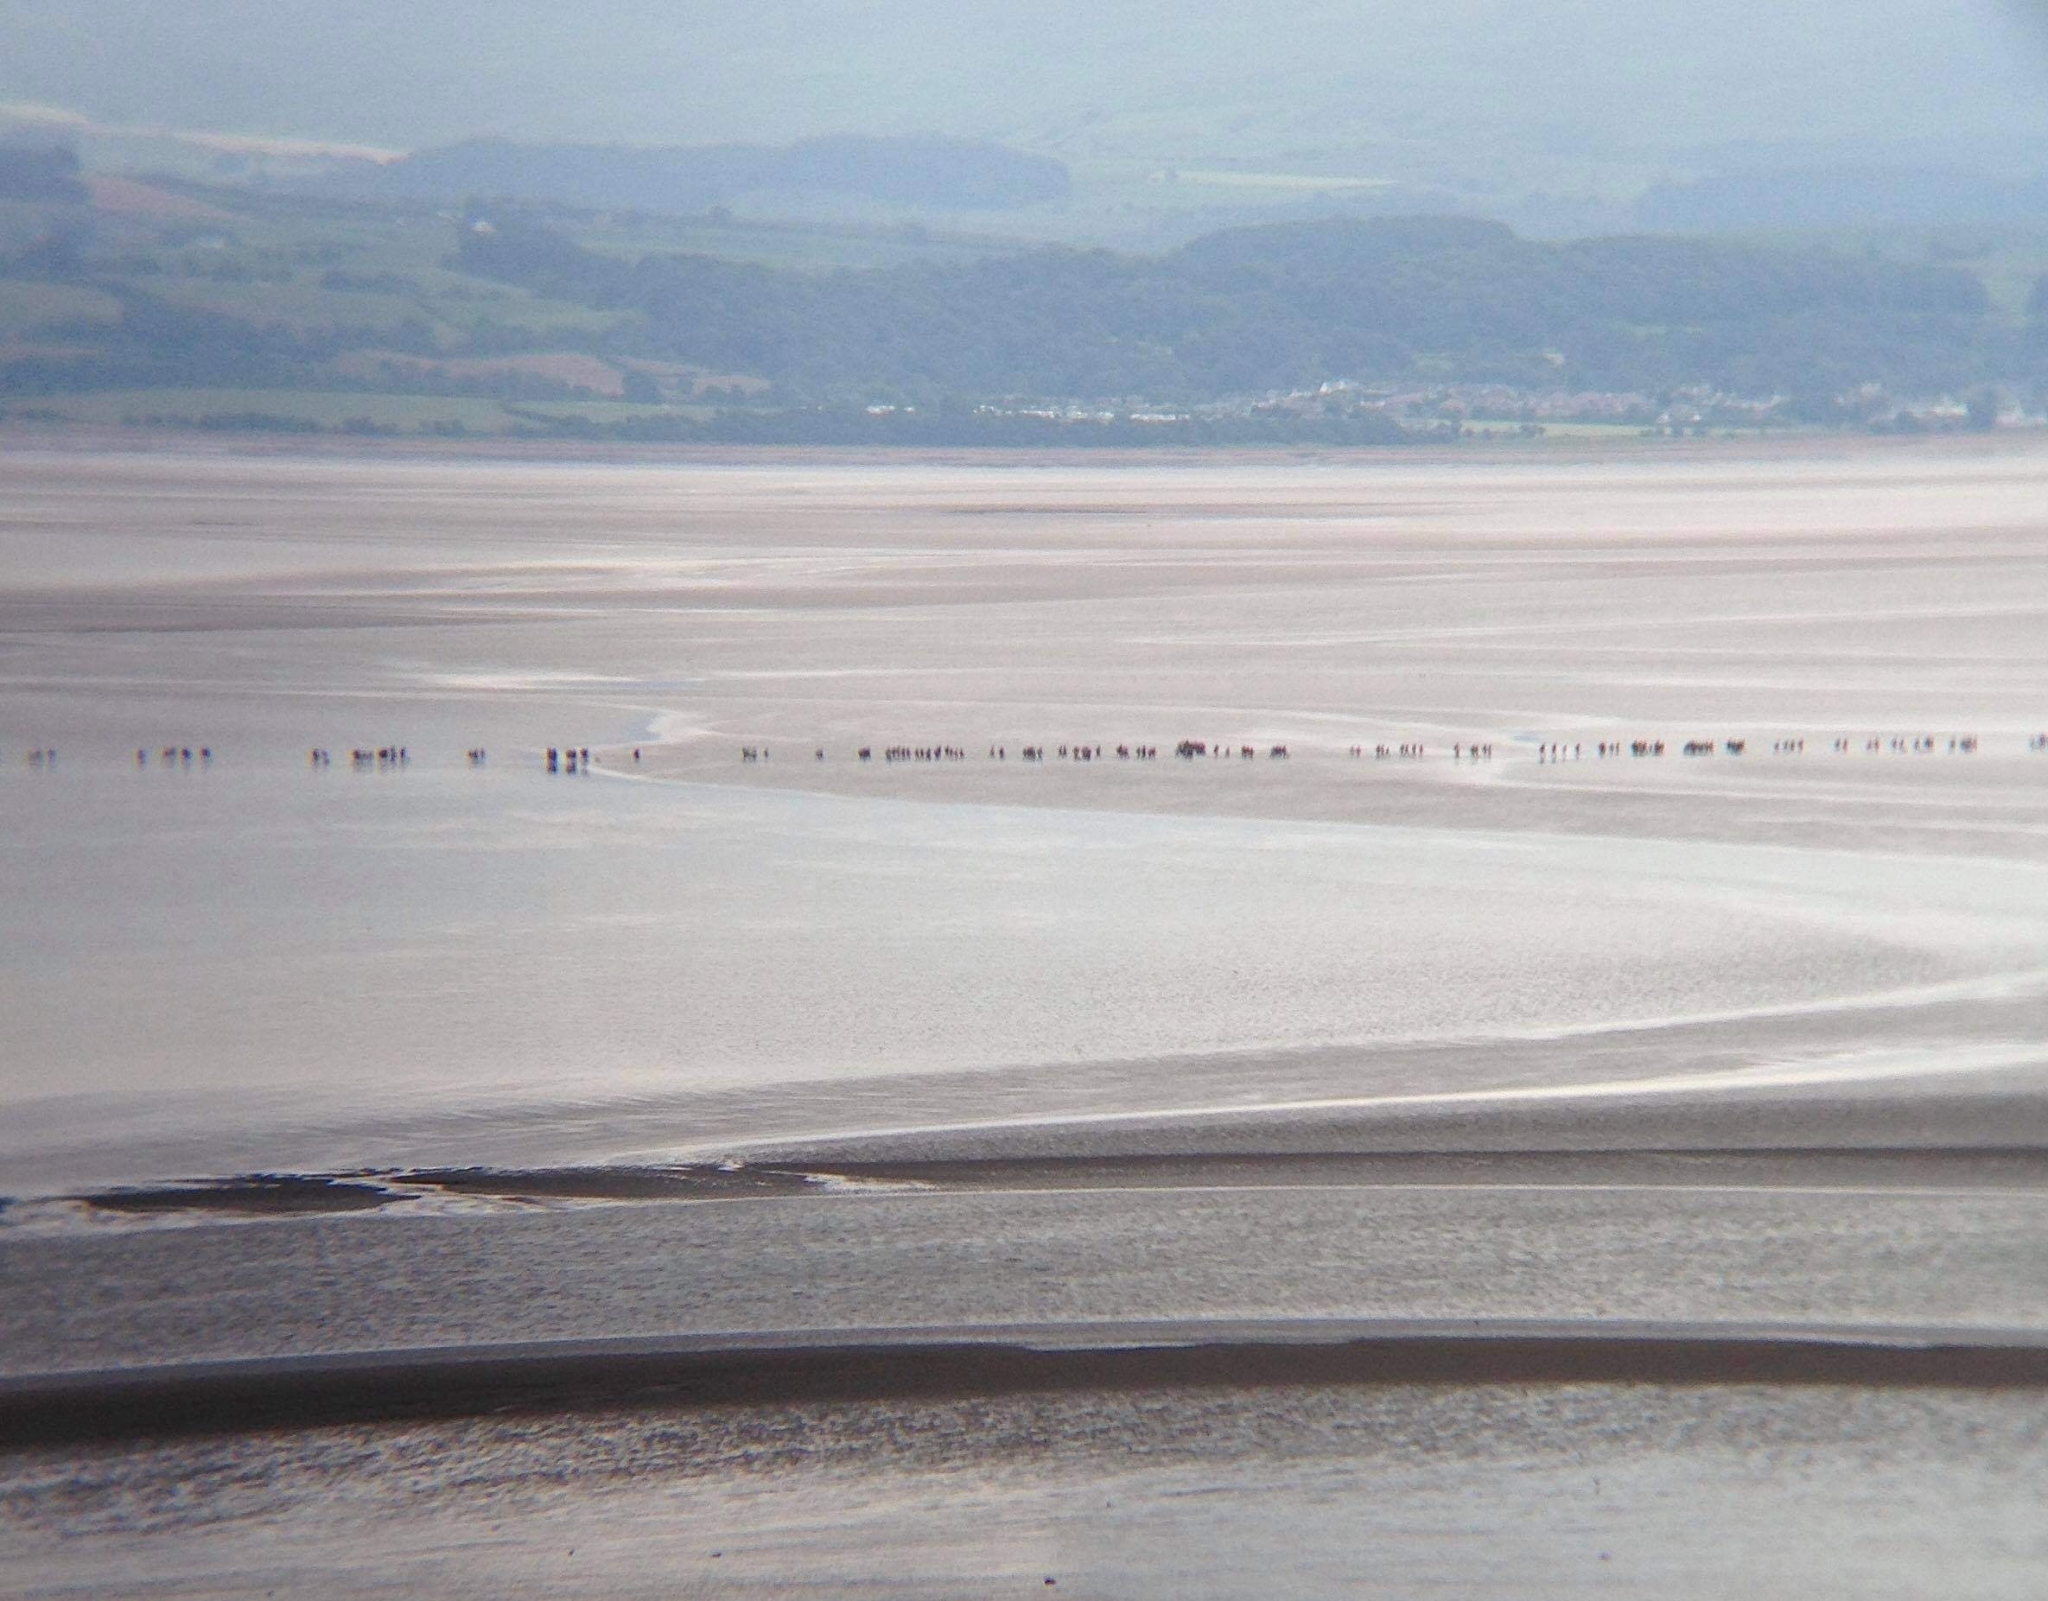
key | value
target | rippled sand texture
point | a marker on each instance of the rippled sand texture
(255, 965)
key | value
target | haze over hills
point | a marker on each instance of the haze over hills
(1146, 77)
(951, 174)
(1471, 105)
(668, 222)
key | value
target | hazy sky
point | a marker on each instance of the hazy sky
(1144, 77)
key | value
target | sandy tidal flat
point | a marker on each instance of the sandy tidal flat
(254, 964)
(424, 1059)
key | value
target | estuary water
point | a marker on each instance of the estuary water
(1436, 990)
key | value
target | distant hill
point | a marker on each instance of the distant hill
(1256, 309)
(922, 173)
(1503, 94)
(186, 305)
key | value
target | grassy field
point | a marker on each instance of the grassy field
(350, 270)
(377, 315)
(374, 284)
(368, 292)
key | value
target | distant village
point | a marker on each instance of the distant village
(1691, 411)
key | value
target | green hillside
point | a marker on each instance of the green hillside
(178, 304)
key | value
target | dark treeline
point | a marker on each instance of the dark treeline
(155, 342)
(1292, 306)
(40, 173)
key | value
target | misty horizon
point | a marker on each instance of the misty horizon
(1401, 87)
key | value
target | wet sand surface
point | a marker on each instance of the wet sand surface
(1318, 1490)
(245, 965)
(1877, 1252)
(1667, 1469)
(305, 1062)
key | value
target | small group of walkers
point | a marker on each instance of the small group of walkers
(1218, 750)
(911, 753)
(383, 758)
(1460, 752)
